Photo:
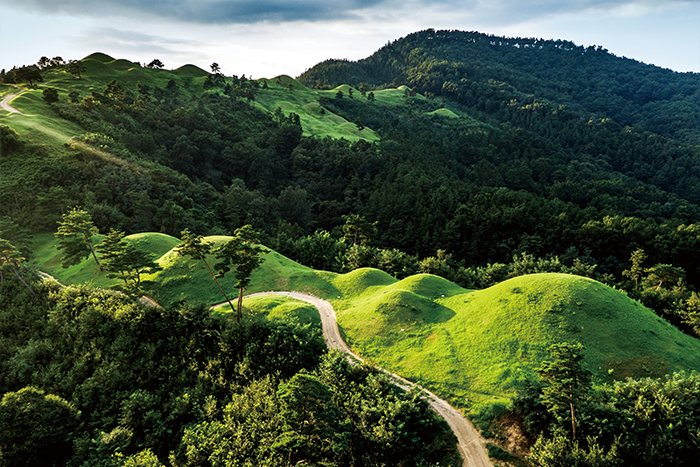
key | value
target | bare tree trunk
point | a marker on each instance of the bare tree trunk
(240, 305)
(219, 286)
(89, 244)
(22, 280)
(573, 420)
(571, 404)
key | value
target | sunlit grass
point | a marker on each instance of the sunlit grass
(472, 347)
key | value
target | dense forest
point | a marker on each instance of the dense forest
(552, 158)
(94, 378)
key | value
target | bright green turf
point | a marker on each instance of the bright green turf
(275, 307)
(48, 257)
(444, 113)
(480, 346)
(472, 347)
(181, 279)
(304, 102)
(42, 126)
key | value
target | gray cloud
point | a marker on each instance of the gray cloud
(202, 11)
(275, 11)
(130, 41)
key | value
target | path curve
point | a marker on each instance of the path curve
(471, 445)
(5, 103)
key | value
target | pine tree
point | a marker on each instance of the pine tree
(565, 382)
(75, 234)
(243, 253)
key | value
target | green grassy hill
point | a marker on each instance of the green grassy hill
(480, 346)
(472, 347)
(282, 92)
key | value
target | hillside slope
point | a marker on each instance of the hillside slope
(478, 346)
(448, 63)
(469, 346)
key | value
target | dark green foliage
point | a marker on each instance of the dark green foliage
(114, 383)
(312, 431)
(9, 140)
(36, 429)
(644, 422)
(76, 67)
(357, 230)
(340, 415)
(138, 375)
(155, 63)
(565, 383)
(28, 74)
(75, 232)
(121, 260)
(563, 452)
(50, 95)
(10, 261)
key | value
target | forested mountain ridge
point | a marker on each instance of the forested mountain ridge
(470, 67)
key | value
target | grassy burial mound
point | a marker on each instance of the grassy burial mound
(275, 308)
(48, 257)
(183, 279)
(481, 346)
(471, 347)
(291, 96)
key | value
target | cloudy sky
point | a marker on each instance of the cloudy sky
(266, 38)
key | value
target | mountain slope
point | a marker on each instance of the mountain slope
(587, 78)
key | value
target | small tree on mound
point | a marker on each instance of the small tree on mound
(243, 253)
(193, 246)
(75, 234)
(124, 261)
(76, 67)
(155, 63)
(29, 74)
(565, 382)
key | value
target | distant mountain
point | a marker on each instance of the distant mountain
(487, 73)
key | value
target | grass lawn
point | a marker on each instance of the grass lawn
(472, 347)
(479, 347)
(274, 307)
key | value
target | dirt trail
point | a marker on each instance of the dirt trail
(5, 103)
(471, 445)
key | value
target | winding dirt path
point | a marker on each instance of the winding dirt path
(471, 445)
(5, 103)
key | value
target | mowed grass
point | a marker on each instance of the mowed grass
(472, 347)
(477, 347)
(48, 257)
(41, 125)
(183, 279)
(274, 308)
(41, 121)
(291, 96)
